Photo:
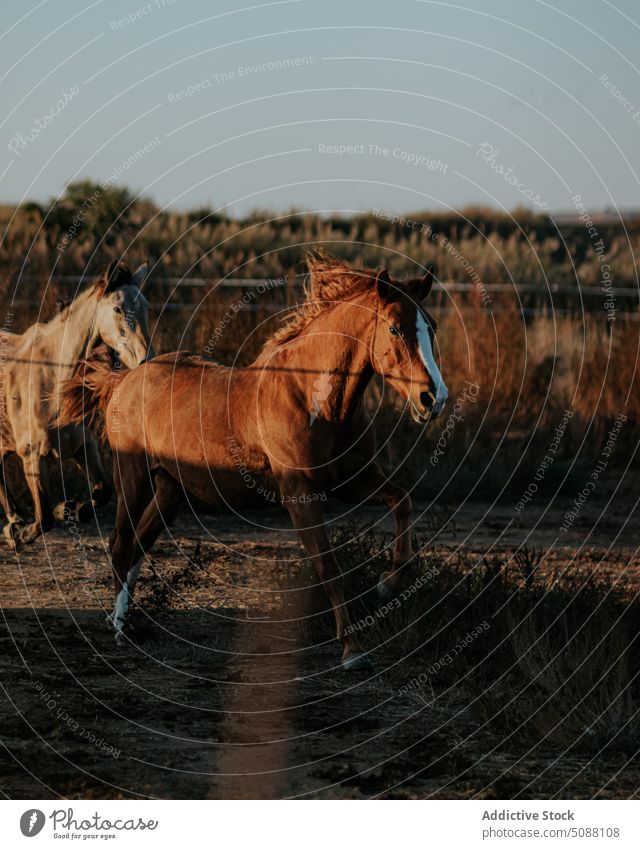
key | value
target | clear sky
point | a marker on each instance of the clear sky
(337, 105)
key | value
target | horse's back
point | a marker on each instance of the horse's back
(172, 387)
(30, 340)
(172, 413)
(181, 369)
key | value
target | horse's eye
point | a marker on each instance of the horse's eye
(117, 309)
(394, 331)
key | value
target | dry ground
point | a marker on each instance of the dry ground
(230, 686)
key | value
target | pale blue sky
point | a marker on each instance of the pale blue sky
(425, 80)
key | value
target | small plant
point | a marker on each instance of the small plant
(157, 592)
(528, 559)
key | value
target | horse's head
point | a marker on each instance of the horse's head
(122, 318)
(403, 348)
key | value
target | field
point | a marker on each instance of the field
(524, 311)
(511, 669)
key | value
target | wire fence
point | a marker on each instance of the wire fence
(532, 299)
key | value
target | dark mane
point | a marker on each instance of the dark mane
(110, 278)
(330, 279)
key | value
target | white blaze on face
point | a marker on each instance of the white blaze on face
(426, 355)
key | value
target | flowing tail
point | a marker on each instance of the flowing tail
(86, 396)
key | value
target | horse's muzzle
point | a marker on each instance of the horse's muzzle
(430, 407)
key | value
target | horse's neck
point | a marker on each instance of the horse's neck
(69, 337)
(333, 355)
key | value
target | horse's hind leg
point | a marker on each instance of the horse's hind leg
(134, 489)
(158, 515)
(89, 460)
(367, 484)
(37, 475)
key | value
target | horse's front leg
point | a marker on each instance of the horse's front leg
(11, 530)
(308, 519)
(367, 484)
(35, 470)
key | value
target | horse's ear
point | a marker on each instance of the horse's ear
(115, 275)
(383, 284)
(425, 284)
(140, 275)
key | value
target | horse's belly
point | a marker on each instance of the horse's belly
(224, 474)
(235, 488)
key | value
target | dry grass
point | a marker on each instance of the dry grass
(501, 248)
(555, 665)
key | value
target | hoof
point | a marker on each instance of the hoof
(110, 622)
(85, 512)
(384, 593)
(357, 662)
(29, 533)
(120, 639)
(65, 510)
(11, 532)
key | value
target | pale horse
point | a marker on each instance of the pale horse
(35, 366)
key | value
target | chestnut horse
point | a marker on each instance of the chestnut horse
(291, 428)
